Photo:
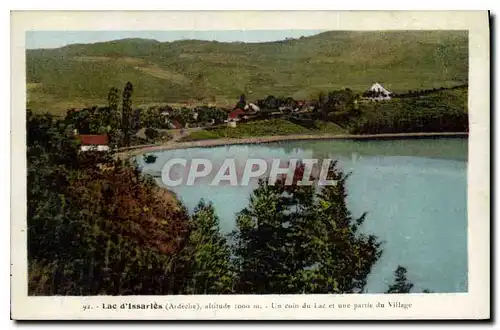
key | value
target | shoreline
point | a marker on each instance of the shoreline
(138, 150)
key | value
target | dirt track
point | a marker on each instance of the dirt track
(173, 144)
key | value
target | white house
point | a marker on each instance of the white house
(252, 107)
(377, 92)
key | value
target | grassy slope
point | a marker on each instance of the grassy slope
(176, 71)
(263, 128)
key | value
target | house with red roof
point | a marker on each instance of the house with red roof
(174, 124)
(94, 142)
(235, 115)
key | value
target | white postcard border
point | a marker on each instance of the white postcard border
(472, 305)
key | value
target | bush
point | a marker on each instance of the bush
(165, 135)
(151, 133)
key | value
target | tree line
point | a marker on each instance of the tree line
(435, 112)
(430, 114)
(424, 92)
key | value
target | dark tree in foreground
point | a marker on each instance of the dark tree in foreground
(401, 283)
(97, 225)
(209, 254)
(295, 239)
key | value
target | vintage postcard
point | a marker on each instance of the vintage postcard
(250, 165)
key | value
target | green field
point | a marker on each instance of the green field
(258, 128)
(81, 74)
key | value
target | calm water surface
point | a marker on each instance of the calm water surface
(414, 192)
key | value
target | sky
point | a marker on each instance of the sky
(54, 39)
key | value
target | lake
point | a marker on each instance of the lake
(413, 190)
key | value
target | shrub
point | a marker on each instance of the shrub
(151, 133)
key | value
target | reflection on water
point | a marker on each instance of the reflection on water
(414, 191)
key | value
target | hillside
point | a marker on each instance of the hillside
(81, 74)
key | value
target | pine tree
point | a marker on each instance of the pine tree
(113, 100)
(401, 283)
(208, 254)
(294, 239)
(127, 113)
(345, 257)
(262, 247)
(113, 116)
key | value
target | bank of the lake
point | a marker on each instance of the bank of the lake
(125, 153)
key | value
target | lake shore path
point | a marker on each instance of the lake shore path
(125, 153)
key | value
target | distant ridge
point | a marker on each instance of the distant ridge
(81, 74)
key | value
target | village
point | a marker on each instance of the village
(273, 107)
(376, 110)
(163, 123)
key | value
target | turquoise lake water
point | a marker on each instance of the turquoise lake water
(414, 192)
